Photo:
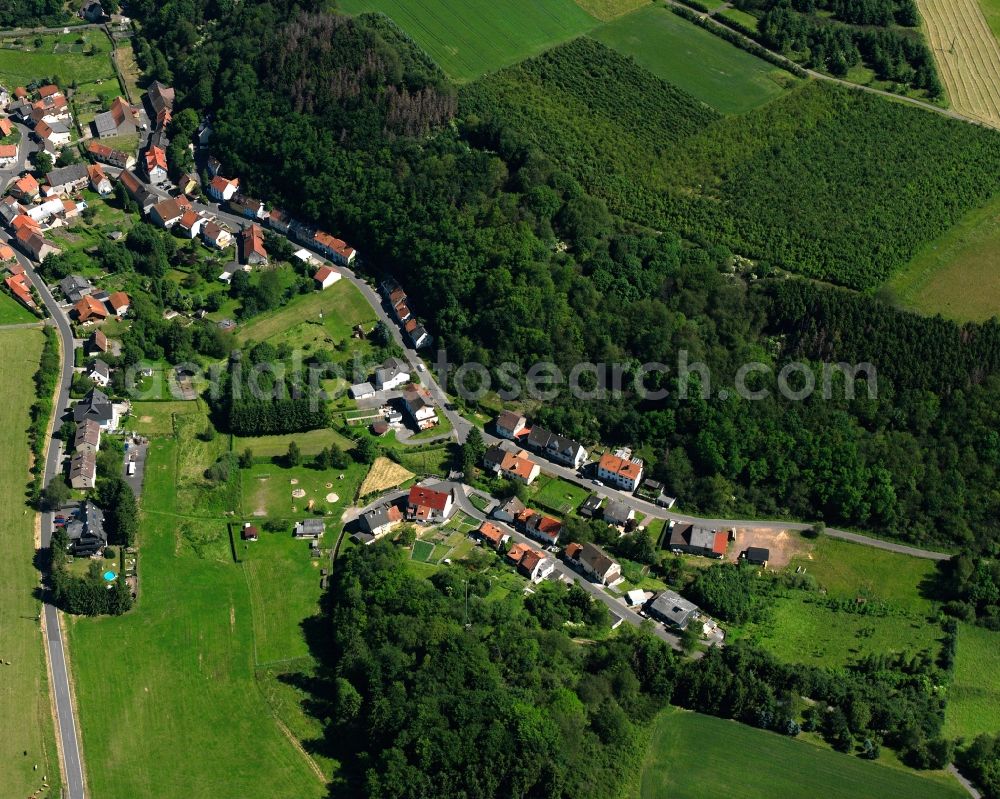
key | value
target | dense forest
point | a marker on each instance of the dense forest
(31, 13)
(515, 227)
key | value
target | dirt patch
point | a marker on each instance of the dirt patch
(298, 493)
(331, 498)
(145, 419)
(783, 545)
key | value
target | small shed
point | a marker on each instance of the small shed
(249, 532)
(758, 556)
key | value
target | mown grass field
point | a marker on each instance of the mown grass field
(974, 695)
(727, 78)
(468, 38)
(991, 10)
(24, 689)
(168, 701)
(13, 313)
(610, 9)
(958, 274)
(692, 756)
(556, 495)
(310, 443)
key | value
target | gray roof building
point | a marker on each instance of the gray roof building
(309, 528)
(673, 609)
(94, 406)
(86, 531)
(75, 288)
(68, 176)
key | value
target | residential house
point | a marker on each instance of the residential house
(758, 556)
(420, 409)
(10, 208)
(188, 183)
(361, 391)
(393, 372)
(43, 212)
(491, 535)
(508, 511)
(88, 436)
(99, 182)
(417, 334)
(624, 473)
(538, 526)
(510, 425)
(86, 531)
(34, 244)
(595, 562)
(214, 235)
(378, 521)
(93, 12)
(8, 155)
(161, 102)
(673, 610)
(166, 213)
(119, 120)
(535, 565)
(26, 189)
(402, 312)
(214, 165)
(67, 179)
(514, 465)
(6, 127)
(278, 220)
(556, 447)
(337, 250)
(7, 254)
(190, 224)
(89, 309)
(427, 506)
(107, 155)
(516, 552)
(96, 406)
(23, 221)
(309, 528)
(98, 343)
(618, 513)
(249, 532)
(143, 196)
(20, 287)
(155, 164)
(100, 373)
(694, 540)
(119, 302)
(251, 247)
(222, 189)
(636, 597)
(655, 491)
(247, 207)
(75, 288)
(572, 552)
(325, 277)
(83, 470)
(590, 506)
(55, 133)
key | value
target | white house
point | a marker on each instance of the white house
(223, 189)
(361, 391)
(325, 277)
(510, 424)
(100, 373)
(393, 372)
(621, 472)
(8, 155)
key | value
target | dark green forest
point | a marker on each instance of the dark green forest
(31, 13)
(540, 216)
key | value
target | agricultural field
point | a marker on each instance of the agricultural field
(974, 695)
(733, 759)
(968, 56)
(610, 9)
(181, 664)
(991, 10)
(713, 70)
(24, 691)
(468, 39)
(12, 312)
(383, 475)
(958, 274)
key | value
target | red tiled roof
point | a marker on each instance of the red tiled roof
(23, 222)
(119, 300)
(421, 497)
(18, 284)
(531, 559)
(5, 126)
(27, 185)
(572, 550)
(630, 470)
(188, 220)
(155, 157)
(518, 551)
(338, 246)
(322, 274)
(6, 253)
(720, 543)
(48, 90)
(89, 307)
(491, 533)
(8, 151)
(95, 173)
(252, 242)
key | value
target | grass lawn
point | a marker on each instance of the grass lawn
(267, 491)
(713, 70)
(310, 443)
(742, 17)
(179, 668)
(469, 38)
(298, 322)
(13, 313)
(692, 756)
(991, 10)
(422, 551)
(431, 461)
(811, 633)
(557, 495)
(24, 690)
(974, 696)
(958, 274)
(157, 418)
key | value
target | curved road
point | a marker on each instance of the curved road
(66, 729)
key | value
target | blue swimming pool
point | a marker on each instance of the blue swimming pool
(109, 576)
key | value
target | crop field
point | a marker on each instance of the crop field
(968, 56)
(727, 78)
(180, 665)
(958, 274)
(383, 475)
(610, 9)
(736, 760)
(468, 38)
(28, 737)
(974, 695)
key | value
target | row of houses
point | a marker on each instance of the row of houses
(83, 463)
(400, 307)
(46, 111)
(540, 526)
(91, 305)
(561, 449)
(17, 281)
(594, 562)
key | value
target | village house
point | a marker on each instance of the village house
(509, 511)
(215, 235)
(144, 198)
(247, 207)
(34, 244)
(534, 565)
(119, 120)
(100, 373)
(98, 343)
(96, 406)
(99, 181)
(393, 372)
(86, 532)
(510, 425)
(596, 563)
(251, 246)
(515, 465)
(119, 303)
(673, 610)
(491, 535)
(325, 277)
(166, 213)
(66, 180)
(417, 334)
(538, 526)
(222, 189)
(9, 209)
(625, 473)
(107, 155)
(419, 407)
(26, 188)
(8, 155)
(188, 183)
(555, 447)
(655, 492)
(617, 513)
(590, 506)
(278, 220)
(44, 211)
(22, 222)
(89, 309)
(161, 102)
(361, 391)
(20, 287)
(55, 133)
(6, 126)
(309, 529)
(88, 436)
(93, 12)
(693, 540)
(378, 521)
(75, 288)
(83, 470)
(7, 254)
(190, 224)
(333, 248)
(155, 164)
(427, 506)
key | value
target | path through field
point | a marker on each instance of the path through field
(967, 55)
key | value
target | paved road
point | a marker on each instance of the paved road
(25, 148)
(54, 642)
